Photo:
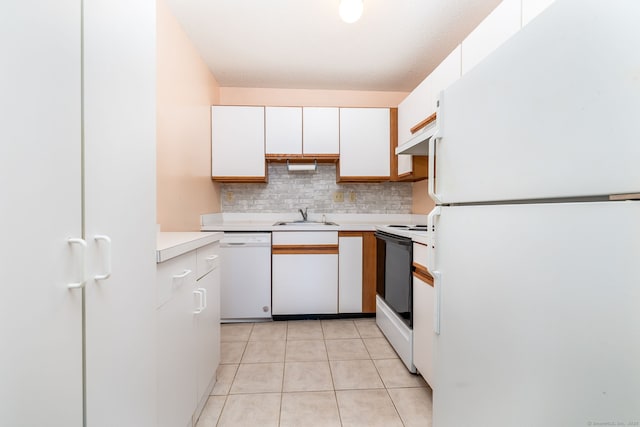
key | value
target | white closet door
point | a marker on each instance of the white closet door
(120, 203)
(40, 208)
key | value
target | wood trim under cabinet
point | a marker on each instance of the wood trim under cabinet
(240, 179)
(294, 158)
(424, 123)
(369, 273)
(304, 249)
(393, 126)
(423, 274)
(350, 233)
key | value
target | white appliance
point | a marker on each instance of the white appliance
(245, 288)
(537, 312)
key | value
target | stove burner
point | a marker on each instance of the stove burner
(398, 226)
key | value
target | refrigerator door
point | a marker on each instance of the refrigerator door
(556, 106)
(539, 315)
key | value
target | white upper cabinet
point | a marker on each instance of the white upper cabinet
(502, 23)
(320, 130)
(532, 8)
(283, 130)
(237, 144)
(444, 75)
(364, 144)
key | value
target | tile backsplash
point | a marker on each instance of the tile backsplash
(288, 191)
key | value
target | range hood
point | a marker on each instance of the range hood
(418, 145)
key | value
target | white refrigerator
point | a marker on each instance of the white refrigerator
(535, 239)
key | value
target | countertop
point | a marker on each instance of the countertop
(172, 244)
(346, 222)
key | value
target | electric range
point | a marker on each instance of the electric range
(394, 289)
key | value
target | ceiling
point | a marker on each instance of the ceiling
(303, 44)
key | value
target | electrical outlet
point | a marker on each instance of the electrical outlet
(352, 196)
(338, 196)
(229, 196)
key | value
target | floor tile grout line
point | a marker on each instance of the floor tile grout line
(331, 371)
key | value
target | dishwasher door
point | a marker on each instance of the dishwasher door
(245, 288)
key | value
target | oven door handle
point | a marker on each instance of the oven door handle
(405, 241)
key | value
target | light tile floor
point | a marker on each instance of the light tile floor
(309, 373)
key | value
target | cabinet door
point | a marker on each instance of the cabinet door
(40, 208)
(350, 274)
(305, 284)
(320, 130)
(364, 144)
(237, 143)
(283, 130)
(444, 75)
(207, 334)
(502, 23)
(176, 374)
(411, 111)
(423, 308)
(119, 202)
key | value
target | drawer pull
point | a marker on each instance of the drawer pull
(182, 275)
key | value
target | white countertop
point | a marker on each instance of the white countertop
(346, 222)
(266, 221)
(172, 244)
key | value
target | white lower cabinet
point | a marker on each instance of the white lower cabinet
(423, 303)
(207, 330)
(423, 315)
(305, 273)
(350, 274)
(188, 325)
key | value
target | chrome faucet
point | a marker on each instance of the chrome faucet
(303, 213)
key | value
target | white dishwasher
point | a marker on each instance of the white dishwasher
(245, 288)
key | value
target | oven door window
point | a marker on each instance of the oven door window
(398, 279)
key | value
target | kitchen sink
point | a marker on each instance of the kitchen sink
(301, 222)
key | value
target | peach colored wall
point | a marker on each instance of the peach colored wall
(185, 91)
(309, 97)
(422, 203)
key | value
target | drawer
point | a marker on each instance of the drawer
(208, 258)
(420, 254)
(305, 238)
(174, 274)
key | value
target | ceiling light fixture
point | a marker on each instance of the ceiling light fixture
(350, 10)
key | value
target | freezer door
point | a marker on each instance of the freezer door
(539, 315)
(552, 113)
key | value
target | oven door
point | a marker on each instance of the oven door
(395, 255)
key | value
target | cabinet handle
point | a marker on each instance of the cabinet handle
(182, 275)
(437, 285)
(211, 257)
(83, 263)
(204, 293)
(200, 296)
(107, 257)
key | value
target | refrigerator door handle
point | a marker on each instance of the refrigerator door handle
(432, 167)
(437, 135)
(431, 238)
(437, 285)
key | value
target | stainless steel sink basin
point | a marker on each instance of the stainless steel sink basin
(301, 222)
